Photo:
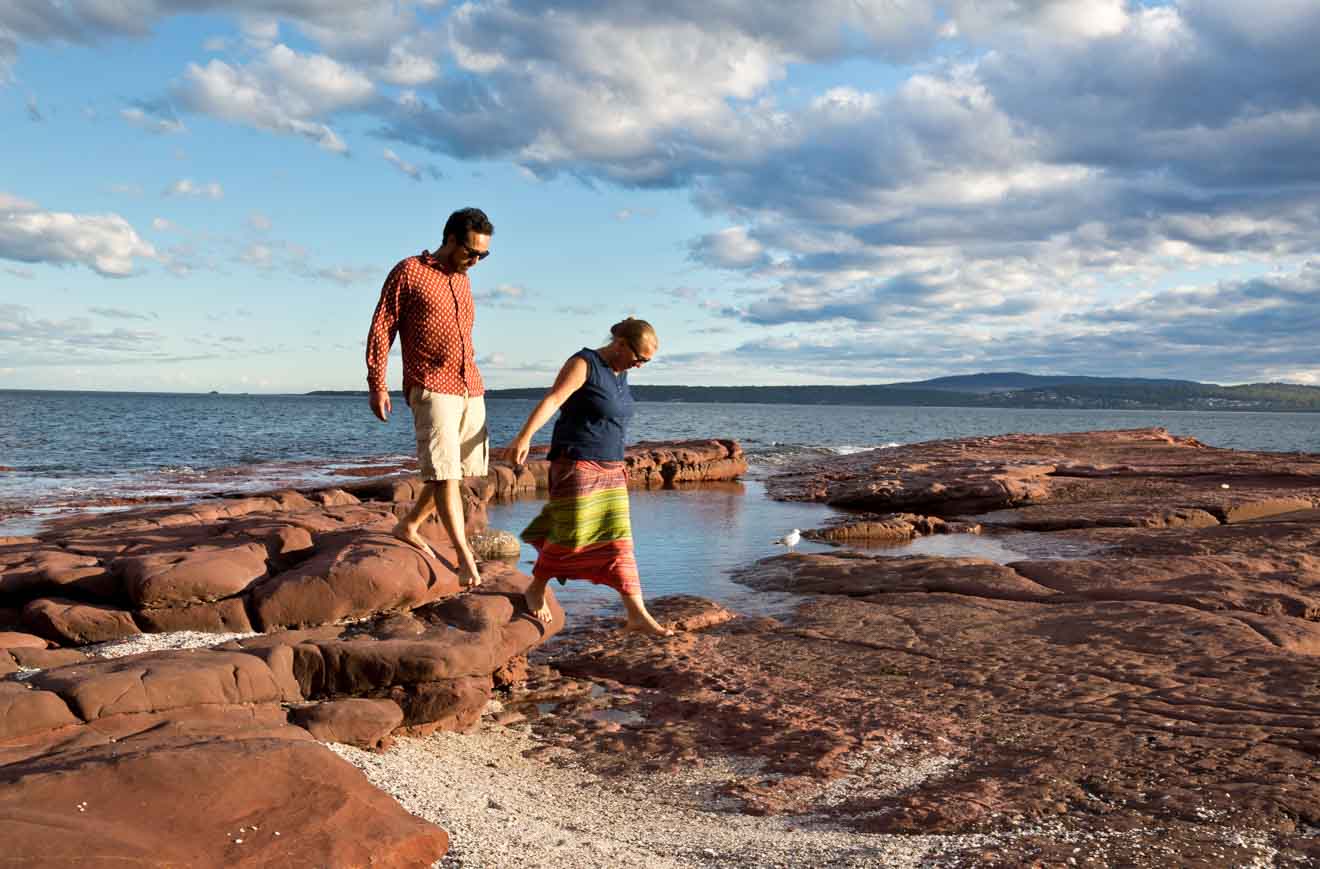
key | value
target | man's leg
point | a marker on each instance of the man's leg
(429, 428)
(409, 528)
(450, 504)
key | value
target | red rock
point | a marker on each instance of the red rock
(44, 570)
(137, 801)
(1266, 584)
(360, 722)
(511, 672)
(685, 612)
(225, 616)
(161, 681)
(74, 623)
(333, 498)
(1112, 471)
(191, 576)
(453, 704)
(14, 640)
(24, 711)
(353, 575)
(858, 575)
(45, 659)
(650, 464)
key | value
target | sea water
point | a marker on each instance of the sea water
(67, 449)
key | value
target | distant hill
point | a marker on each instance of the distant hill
(1013, 381)
(1000, 389)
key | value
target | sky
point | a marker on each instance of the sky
(200, 195)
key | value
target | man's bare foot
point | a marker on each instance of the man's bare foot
(412, 538)
(536, 602)
(469, 576)
(648, 626)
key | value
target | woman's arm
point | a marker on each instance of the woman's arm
(571, 378)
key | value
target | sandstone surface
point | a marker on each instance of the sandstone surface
(193, 756)
(650, 464)
(1151, 703)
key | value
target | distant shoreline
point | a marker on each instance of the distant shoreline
(994, 390)
(1134, 395)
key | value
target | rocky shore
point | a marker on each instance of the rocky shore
(1152, 702)
(166, 674)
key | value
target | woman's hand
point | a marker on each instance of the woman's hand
(516, 452)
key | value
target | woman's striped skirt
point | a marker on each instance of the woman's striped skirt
(584, 531)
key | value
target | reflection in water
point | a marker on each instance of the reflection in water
(689, 539)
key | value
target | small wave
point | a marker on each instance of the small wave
(780, 454)
(180, 471)
(850, 449)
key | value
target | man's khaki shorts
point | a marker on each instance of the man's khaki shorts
(451, 434)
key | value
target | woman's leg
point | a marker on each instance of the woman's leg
(639, 620)
(536, 603)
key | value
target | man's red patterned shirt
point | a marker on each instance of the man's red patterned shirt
(432, 312)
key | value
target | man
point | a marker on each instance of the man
(427, 301)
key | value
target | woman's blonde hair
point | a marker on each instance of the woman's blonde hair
(634, 331)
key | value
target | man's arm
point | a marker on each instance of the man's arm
(384, 326)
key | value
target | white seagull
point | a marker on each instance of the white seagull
(790, 539)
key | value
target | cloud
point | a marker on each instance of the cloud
(26, 340)
(344, 276)
(410, 62)
(9, 202)
(186, 187)
(1251, 329)
(729, 248)
(234, 314)
(153, 116)
(412, 170)
(282, 91)
(501, 296)
(122, 313)
(1003, 163)
(277, 255)
(105, 243)
(259, 222)
(160, 224)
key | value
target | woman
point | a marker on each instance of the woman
(584, 530)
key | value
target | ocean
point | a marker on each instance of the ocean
(66, 450)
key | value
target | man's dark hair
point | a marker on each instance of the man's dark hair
(466, 220)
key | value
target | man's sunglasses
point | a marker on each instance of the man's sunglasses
(475, 254)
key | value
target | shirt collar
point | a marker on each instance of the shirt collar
(430, 259)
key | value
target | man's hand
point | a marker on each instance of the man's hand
(380, 404)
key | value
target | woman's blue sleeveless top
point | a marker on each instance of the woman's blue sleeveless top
(593, 422)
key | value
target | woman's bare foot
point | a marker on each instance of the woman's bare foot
(412, 538)
(536, 602)
(647, 626)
